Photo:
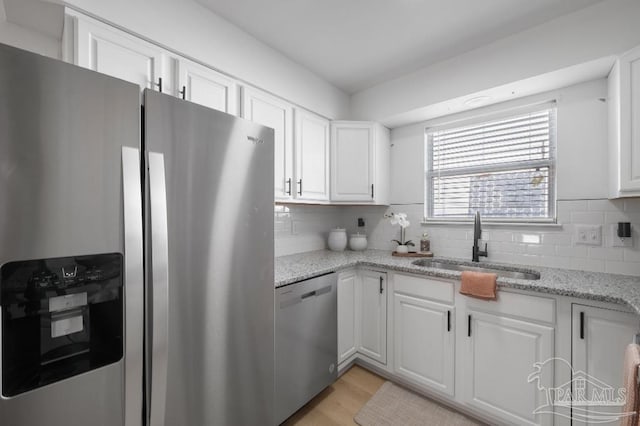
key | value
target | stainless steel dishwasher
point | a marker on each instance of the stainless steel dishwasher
(306, 342)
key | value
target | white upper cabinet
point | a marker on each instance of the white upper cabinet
(359, 162)
(204, 86)
(270, 111)
(312, 156)
(107, 50)
(624, 126)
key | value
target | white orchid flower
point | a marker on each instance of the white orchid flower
(399, 219)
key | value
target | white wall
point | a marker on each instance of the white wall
(604, 29)
(582, 178)
(23, 38)
(300, 228)
(192, 30)
(582, 168)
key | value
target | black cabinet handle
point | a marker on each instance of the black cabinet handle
(159, 84)
(469, 326)
(289, 186)
(300, 187)
(448, 320)
(582, 325)
(381, 289)
(371, 190)
(183, 92)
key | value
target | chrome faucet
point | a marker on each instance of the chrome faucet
(477, 234)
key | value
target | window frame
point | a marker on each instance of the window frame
(551, 164)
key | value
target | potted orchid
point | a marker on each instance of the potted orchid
(400, 219)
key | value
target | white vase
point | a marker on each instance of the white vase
(337, 239)
(402, 249)
(358, 242)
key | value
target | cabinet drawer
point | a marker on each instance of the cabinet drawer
(426, 288)
(516, 305)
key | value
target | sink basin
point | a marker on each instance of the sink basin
(521, 274)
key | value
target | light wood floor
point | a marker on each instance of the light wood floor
(337, 404)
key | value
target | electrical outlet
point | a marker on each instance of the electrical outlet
(617, 241)
(589, 235)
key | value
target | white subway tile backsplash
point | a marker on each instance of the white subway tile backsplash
(505, 247)
(630, 254)
(541, 250)
(303, 228)
(587, 218)
(624, 268)
(605, 253)
(605, 205)
(570, 251)
(582, 264)
(564, 209)
(557, 239)
(615, 217)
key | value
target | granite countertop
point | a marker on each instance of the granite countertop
(620, 289)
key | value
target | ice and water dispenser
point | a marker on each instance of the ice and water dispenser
(60, 317)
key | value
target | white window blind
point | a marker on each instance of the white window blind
(503, 168)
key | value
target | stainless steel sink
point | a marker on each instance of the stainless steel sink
(520, 274)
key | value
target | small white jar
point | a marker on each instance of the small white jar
(337, 239)
(358, 242)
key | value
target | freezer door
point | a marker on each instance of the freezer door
(68, 189)
(212, 348)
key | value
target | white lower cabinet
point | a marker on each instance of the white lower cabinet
(372, 307)
(424, 342)
(347, 316)
(503, 360)
(499, 355)
(600, 337)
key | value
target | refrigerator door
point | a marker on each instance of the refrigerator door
(68, 188)
(212, 357)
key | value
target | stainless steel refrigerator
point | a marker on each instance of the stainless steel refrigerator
(136, 254)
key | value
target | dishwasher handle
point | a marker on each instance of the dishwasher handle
(307, 295)
(295, 300)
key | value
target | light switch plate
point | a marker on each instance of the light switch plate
(588, 235)
(617, 241)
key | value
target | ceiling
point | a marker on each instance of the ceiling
(356, 44)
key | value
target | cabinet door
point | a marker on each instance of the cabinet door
(272, 112)
(207, 87)
(600, 337)
(352, 160)
(372, 306)
(423, 340)
(312, 156)
(499, 356)
(347, 319)
(628, 96)
(118, 54)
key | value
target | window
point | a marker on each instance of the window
(503, 168)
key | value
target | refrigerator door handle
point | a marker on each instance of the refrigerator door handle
(159, 282)
(134, 287)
